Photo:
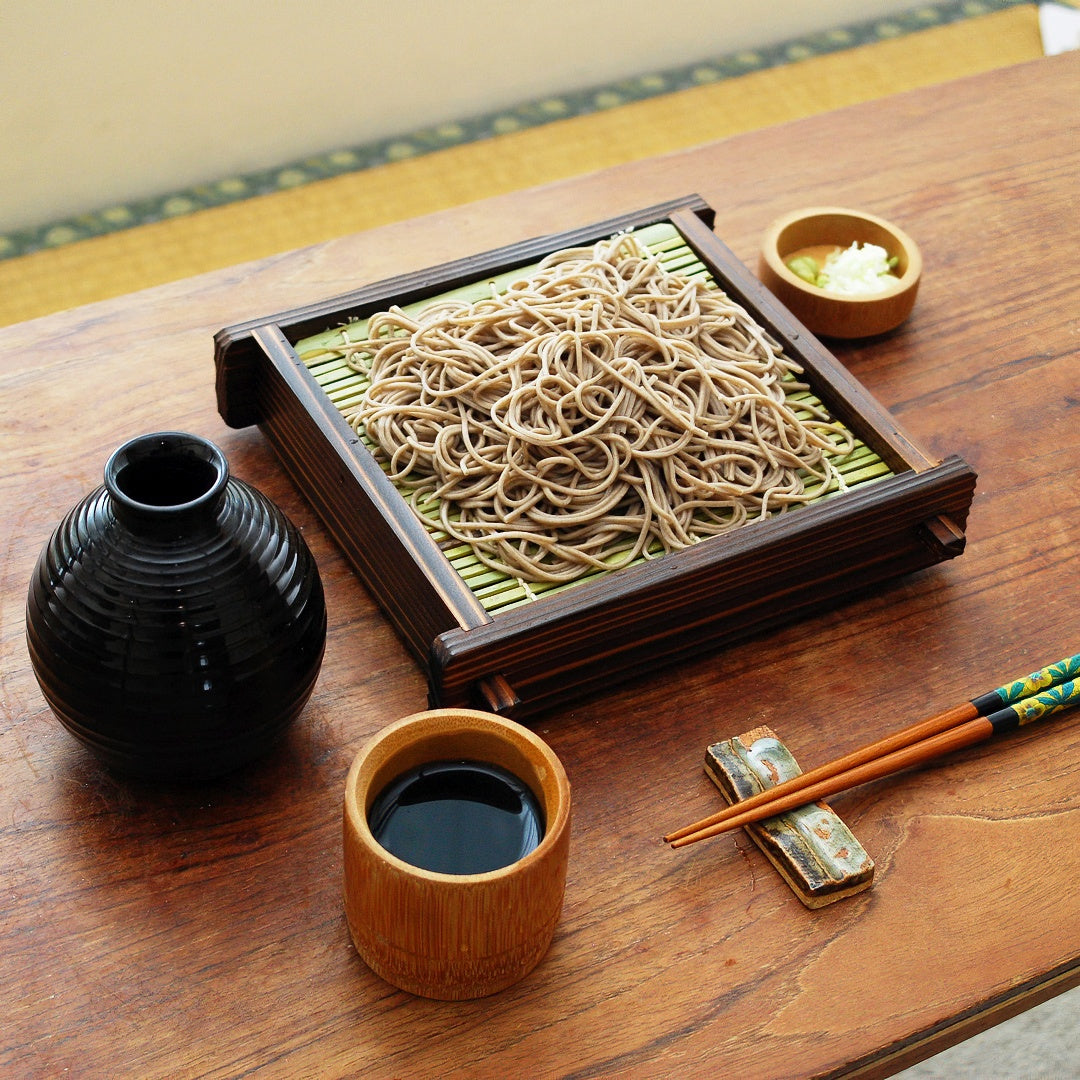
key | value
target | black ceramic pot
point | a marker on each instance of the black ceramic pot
(175, 619)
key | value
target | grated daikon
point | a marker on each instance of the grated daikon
(857, 271)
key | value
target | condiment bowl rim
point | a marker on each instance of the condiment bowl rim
(770, 249)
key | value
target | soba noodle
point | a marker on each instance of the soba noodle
(599, 410)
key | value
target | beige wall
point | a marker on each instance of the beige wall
(106, 101)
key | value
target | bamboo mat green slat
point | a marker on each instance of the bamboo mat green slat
(497, 591)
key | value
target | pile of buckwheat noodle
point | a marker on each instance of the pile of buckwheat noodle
(596, 409)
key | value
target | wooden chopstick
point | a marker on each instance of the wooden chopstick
(1016, 702)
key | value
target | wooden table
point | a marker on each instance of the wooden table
(157, 932)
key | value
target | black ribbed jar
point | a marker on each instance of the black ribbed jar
(175, 620)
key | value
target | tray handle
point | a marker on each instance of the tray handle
(496, 694)
(943, 536)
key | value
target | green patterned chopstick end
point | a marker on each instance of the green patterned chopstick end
(1024, 687)
(1045, 703)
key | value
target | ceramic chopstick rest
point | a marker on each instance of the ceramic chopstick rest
(810, 847)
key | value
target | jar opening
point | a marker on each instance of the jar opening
(168, 471)
(166, 483)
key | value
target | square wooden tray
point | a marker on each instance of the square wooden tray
(530, 656)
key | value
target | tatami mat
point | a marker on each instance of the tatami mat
(524, 146)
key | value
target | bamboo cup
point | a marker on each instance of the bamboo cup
(454, 936)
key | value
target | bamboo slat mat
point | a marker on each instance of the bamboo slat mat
(175, 238)
(496, 590)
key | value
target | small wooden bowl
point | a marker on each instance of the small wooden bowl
(454, 936)
(823, 313)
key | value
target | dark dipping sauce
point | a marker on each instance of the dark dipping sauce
(457, 817)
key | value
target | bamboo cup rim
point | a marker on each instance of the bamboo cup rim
(458, 733)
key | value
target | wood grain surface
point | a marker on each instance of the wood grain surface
(168, 932)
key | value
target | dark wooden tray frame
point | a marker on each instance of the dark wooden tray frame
(585, 639)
